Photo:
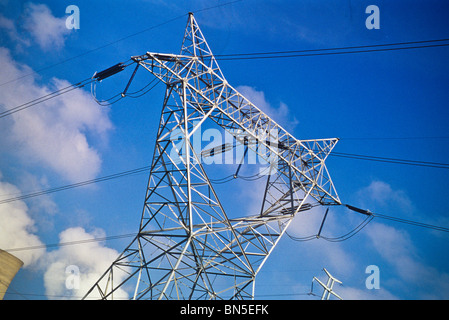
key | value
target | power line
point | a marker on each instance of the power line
(391, 160)
(44, 98)
(141, 92)
(70, 243)
(342, 238)
(235, 56)
(351, 233)
(111, 177)
(117, 97)
(225, 179)
(116, 41)
(96, 77)
(410, 222)
(319, 52)
(369, 217)
(94, 49)
(396, 138)
(285, 295)
(79, 85)
(330, 49)
(76, 185)
(25, 295)
(259, 55)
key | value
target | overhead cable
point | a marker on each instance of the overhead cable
(391, 160)
(44, 98)
(332, 51)
(344, 237)
(369, 217)
(405, 221)
(117, 41)
(95, 78)
(76, 185)
(69, 243)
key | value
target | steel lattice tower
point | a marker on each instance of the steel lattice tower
(187, 246)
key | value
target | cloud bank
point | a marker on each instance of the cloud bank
(55, 133)
(47, 30)
(72, 270)
(59, 136)
(17, 228)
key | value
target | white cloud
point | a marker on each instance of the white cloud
(89, 261)
(381, 194)
(398, 250)
(42, 208)
(17, 228)
(408, 269)
(335, 254)
(56, 136)
(11, 31)
(394, 245)
(54, 133)
(282, 115)
(18, 231)
(7, 24)
(348, 293)
(48, 31)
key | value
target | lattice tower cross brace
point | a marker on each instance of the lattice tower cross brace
(328, 287)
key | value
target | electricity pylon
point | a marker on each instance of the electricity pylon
(188, 246)
(328, 287)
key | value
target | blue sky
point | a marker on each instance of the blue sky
(387, 104)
